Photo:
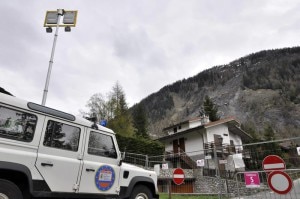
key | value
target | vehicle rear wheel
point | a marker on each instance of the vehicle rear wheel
(141, 192)
(9, 190)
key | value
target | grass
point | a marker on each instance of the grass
(178, 196)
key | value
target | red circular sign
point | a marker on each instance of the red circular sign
(178, 176)
(280, 182)
(273, 162)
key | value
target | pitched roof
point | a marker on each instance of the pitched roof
(222, 121)
(181, 133)
(181, 123)
(233, 126)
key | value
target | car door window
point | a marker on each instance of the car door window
(101, 145)
(62, 136)
(17, 125)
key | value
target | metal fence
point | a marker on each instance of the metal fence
(217, 172)
(262, 190)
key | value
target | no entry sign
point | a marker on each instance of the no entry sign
(178, 176)
(273, 162)
(280, 182)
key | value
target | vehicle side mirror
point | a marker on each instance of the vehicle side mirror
(122, 158)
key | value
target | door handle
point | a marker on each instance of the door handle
(90, 170)
(47, 164)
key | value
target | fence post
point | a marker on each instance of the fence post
(217, 171)
(170, 188)
(226, 181)
(147, 161)
(237, 184)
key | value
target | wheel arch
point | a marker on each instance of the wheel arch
(139, 180)
(23, 174)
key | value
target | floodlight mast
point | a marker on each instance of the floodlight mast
(60, 12)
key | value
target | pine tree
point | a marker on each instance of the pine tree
(269, 133)
(210, 109)
(114, 109)
(273, 147)
(122, 122)
(140, 121)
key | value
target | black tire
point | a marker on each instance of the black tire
(9, 190)
(141, 192)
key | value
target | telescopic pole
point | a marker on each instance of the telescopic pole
(60, 13)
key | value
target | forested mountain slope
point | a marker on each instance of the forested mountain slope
(260, 89)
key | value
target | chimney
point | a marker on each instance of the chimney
(205, 119)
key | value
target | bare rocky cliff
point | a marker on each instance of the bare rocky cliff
(260, 89)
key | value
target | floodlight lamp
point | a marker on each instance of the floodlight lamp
(49, 30)
(67, 29)
(51, 17)
(70, 17)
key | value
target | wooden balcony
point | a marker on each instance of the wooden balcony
(225, 149)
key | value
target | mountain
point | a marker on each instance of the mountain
(260, 90)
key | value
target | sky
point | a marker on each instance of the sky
(143, 45)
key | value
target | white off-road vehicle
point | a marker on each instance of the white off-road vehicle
(48, 153)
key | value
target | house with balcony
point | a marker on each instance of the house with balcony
(217, 146)
(198, 139)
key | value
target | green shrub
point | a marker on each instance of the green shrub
(140, 145)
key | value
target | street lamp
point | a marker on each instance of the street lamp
(53, 19)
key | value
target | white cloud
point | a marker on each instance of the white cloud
(143, 44)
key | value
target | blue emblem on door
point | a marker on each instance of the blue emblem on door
(105, 178)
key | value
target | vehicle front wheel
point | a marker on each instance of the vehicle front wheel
(141, 192)
(9, 190)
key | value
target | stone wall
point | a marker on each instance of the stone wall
(210, 185)
(168, 173)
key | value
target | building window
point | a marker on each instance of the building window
(231, 143)
(175, 129)
(17, 125)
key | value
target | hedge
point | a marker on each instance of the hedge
(140, 145)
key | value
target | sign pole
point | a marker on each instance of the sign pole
(170, 188)
(217, 171)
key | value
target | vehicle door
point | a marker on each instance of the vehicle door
(59, 154)
(100, 171)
